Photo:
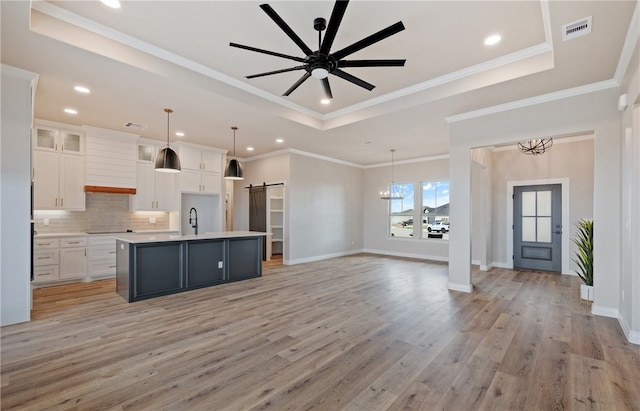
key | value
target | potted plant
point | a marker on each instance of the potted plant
(584, 257)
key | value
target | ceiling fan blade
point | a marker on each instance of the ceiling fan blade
(327, 88)
(297, 83)
(271, 53)
(285, 27)
(371, 63)
(353, 79)
(268, 73)
(367, 41)
(334, 22)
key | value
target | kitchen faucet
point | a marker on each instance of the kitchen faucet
(193, 221)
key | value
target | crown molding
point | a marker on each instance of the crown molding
(630, 43)
(544, 98)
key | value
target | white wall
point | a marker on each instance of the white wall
(324, 208)
(630, 228)
(15, 195)
(595, 111)
(376, 211)
(207, 209)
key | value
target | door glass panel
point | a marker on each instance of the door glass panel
(544, 203)
(529, 203)
(46, 138)
(544, 229)
(528, 229)
(71, 142)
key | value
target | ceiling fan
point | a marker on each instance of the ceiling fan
(319, 64)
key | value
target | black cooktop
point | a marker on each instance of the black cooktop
(110, 232)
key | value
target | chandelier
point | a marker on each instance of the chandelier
(536, 146)
(394, 192)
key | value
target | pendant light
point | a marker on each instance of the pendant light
(393, 193)
(535, 147)
(234, 169)
(167, 160)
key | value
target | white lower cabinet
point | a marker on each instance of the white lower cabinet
(73, 258)
(59, 259)
(102, 257)
(45, 260)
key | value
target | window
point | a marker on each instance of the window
(435, 210)
(401, 212)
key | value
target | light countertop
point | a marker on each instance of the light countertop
(156, 238)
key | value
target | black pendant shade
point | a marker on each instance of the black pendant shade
(167, 160)
(234, 169)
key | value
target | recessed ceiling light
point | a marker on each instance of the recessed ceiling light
(82, 89)
(114, 4)
(491, 40)
(279, 140)
(249, 148)
(179, 134)
(325, 101)
(70, 111)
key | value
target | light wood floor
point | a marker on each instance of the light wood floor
(354, 333)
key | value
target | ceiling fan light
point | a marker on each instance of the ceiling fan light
(320, 72)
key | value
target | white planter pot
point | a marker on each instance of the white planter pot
(586, 292)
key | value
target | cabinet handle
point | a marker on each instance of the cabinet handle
(61, 147)
(61, 202)
(55, 147)
(112, 266)
(43, 244)
(74, 242)
(44, 258)
(56, 201)
(112, 252)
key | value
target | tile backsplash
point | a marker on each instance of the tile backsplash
(104, 212)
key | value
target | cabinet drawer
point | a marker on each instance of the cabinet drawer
(104, 252)
(45, 257)
(102, 268)
(45, 243)
(73, 242)
(45, 274)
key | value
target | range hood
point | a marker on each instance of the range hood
(106, 189)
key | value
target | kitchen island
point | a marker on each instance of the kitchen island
(149, 266)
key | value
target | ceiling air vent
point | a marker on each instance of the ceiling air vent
(576, 29)
(133, 125)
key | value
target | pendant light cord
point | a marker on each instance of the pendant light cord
(234, 128)
(168, 111)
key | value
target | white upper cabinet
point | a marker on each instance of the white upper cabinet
(155, 191)
(58, 140)
(201, 169)
(58, 169)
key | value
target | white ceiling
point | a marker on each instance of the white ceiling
(149, 55)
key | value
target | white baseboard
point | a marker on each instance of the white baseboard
(321, 257)
(465, 288)
(408, 255)
(486, 267)
(502, 265)
(605, 311)
(632, 336)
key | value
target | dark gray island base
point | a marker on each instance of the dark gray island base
(155, 265)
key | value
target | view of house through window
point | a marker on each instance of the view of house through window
(435, 210)
(401, 211)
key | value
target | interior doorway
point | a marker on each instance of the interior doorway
(537, 227)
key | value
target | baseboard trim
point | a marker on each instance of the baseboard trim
(465, 288)
(605, 311)
(407, 255)
(321, 257)
(632, 336)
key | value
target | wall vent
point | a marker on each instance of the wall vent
(576, 29)
(133, 125)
